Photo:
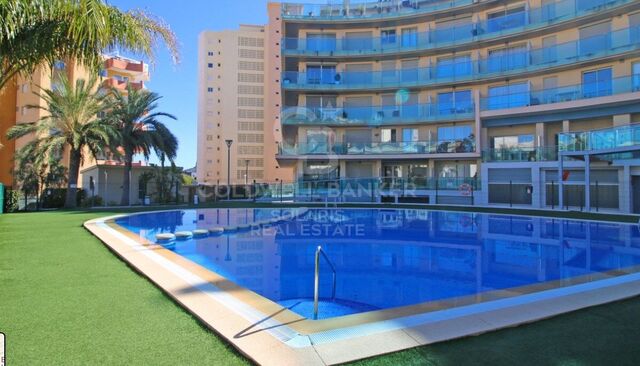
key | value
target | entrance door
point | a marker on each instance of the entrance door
(391, 176)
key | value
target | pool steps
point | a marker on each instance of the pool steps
(167, 239)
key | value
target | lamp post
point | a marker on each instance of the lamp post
(229, 142)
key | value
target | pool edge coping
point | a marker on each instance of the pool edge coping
(337, 345)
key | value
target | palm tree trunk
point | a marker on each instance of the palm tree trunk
(126, 179)
(162, 178)
(72, 185)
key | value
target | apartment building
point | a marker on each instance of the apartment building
(18, 95)
(238, 107)
(522, 103)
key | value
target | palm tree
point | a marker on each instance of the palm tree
(139, 130)
(36, 32)
(70, 123)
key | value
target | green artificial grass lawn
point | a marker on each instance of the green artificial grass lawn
(65, 299)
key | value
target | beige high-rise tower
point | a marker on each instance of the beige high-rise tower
(239, 101)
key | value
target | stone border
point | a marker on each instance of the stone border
(269, 334)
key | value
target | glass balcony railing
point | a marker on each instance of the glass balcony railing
(377, 115)
(379, 148)
(621, 85)
(392, 42)
(604, 139)
(368, 9)
(498, 64)
(519, 154)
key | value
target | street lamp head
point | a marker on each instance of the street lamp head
(229, 142)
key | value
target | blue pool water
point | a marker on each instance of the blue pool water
(386, 258)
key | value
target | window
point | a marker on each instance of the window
(455, 102)
(509, 96)
(597, 83)
(388, 37)
(635, 71)
(455, 139)
(59, 65)
(508, 58)
(388, 71)
(595, 38)
(210, 90)
(409, 134)
(323, 106)
(510, 142)
(210, 65)
(447, 169)
(388, 135)
(358, 74)
(321, 74)
(409, 70)
(121, 78)
(507, 19)
(321, 41)
(317, 142)
(355, 41)
(454, 133)
(452, 67)
(210, 53)
(453, 30)
(634, 26)
(103, 73)
(410, 37)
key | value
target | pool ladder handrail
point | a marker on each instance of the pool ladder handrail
(316, 280)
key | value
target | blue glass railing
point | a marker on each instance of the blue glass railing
(604, 139)
(497, 65)
(368, 9)
(519, 154)
(369, 148)
(377, 115)
(528, 20)
(620, 85)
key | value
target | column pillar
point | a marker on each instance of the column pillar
(587, 182)
(625, 195)
(484, 138)
(536, 195)
(540, 134)
(565, 126)
(560, 187)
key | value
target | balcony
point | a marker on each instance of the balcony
(121, 64)
(523, 21)
(569, 93)
(502, 64)
(520, 154)
(361, 10)
(379, 148)
(122, 84)
(608, 140)
(320, 186)
(380, 115)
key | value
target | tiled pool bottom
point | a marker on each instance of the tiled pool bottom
(366, 333)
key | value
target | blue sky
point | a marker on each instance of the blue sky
(178, 84)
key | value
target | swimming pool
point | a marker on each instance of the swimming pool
(393, 258)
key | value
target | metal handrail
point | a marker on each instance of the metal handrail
(316, 280)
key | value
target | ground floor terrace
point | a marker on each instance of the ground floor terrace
(109, 313)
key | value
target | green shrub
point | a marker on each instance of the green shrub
(92, 201)
(11, 198)
(55, 197)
